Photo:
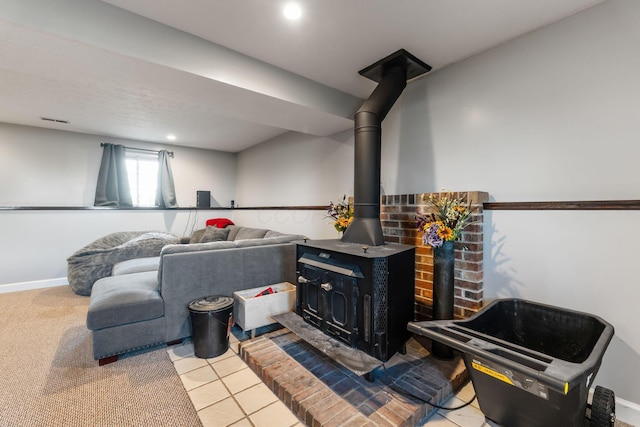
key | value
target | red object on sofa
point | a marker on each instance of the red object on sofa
(219, 222)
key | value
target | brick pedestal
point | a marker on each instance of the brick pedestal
(321, 392)
(398, 217)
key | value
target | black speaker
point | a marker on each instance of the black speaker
(203, 199)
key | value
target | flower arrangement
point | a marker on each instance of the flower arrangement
(451, 216)
(341, 214)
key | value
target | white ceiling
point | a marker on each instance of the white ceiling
(248, 74)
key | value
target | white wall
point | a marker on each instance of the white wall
(41, 167)
(295, 169)
(552, 115)
(36, 244)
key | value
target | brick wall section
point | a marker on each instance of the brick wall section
(397, 214)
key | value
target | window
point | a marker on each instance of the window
(142, 169)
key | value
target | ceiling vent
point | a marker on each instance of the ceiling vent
(49, 119)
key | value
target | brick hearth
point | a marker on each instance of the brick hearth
(321, 392)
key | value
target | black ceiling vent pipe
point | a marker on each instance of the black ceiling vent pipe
(392, 74)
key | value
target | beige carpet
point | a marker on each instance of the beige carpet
(48, 376)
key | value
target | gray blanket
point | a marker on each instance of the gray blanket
(96, 260)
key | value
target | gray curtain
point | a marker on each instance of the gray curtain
(165, 192)
(113, 182)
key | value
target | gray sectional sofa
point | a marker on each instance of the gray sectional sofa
(144, 302)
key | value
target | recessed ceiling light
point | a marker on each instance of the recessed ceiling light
(292, 11)
(171, 137)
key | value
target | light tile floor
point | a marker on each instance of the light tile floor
(226, 392)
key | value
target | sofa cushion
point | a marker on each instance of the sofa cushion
(245, 243)
(136, 265)
(195, 247)
(214, 234)
(197, 235)
(250, 233)
(233, 231)
(272, 233)
(290, 237)
(119, 300)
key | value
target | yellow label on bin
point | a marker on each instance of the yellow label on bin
(491, 373)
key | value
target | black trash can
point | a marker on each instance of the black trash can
(531, 364)
(211, 321)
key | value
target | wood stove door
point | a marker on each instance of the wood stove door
(312, 304)
(341, 298)
(329, 301)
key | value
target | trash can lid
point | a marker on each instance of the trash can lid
(212, 303)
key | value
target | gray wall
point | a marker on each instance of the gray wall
(41, 167)
(295, 169)
(552, 115)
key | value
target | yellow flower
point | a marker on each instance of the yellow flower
(344, 222)
(445, 233)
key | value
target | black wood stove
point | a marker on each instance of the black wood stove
(360, 289)
(361, 296)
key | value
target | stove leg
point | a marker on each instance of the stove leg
(403, 349)
(107, 360)
(369, 376)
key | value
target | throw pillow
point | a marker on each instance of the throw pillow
(250, 233)
(197, 235)
(214, 234)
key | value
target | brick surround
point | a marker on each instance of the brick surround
(399, 225)
(321, 392)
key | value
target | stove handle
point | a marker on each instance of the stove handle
(326, 286)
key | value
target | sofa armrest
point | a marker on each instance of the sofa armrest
(186, 276)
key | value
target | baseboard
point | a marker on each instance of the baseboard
(37, 284)
(628, 412)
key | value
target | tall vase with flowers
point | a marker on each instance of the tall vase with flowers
(441, 227)
(341, 213)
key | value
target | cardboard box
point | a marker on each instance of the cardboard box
(251, 311)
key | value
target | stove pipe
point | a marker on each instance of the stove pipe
(392, 74)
